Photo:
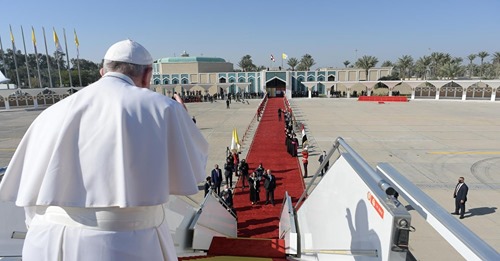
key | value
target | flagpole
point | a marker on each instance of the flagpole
(67, 58)
(3, 61)
(33, 39)
(77, 43)
(48, 60)
(14, 56)
(57, 55)
(26, 58)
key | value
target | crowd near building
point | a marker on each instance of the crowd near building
(204, 79)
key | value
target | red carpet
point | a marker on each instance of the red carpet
(268, 148)
(270, 248)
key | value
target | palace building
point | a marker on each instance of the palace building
(214, 75)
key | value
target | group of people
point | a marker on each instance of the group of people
(291, 141)
(241, 169)
(255, 179)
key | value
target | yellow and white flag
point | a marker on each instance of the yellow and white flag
(56, 42)
(235, 142)
(77, 43)
(284, 56)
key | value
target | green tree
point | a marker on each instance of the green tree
(89, 71)
(422, 66)
(387, 64)
(306, 62)
(482, 55)
(292, 62)
(496, 63)
(346, 63)
(366, 62)
(405, 64)
(471, 58)
(452, 69)
(246, 63)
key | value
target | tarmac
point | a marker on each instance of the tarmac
(430, 142)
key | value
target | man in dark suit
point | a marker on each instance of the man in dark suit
(322, 157)
(460, 195)
(216, 178)
(244, 171)
(269, 185)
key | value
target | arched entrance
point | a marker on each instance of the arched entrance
(276, 87)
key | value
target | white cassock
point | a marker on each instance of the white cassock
(94, 170)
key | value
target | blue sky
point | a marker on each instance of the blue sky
(330, 31)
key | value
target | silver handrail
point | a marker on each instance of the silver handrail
(368, 252)
(468, 244)
(340, 143)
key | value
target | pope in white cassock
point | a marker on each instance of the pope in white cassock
(94, 170)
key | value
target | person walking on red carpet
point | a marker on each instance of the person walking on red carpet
(269, 185)
(243, 168)
(228, 172)
(254, 183)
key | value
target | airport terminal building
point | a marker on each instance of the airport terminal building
(210, 75)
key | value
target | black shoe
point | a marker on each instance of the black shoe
(454, 213)
(461, 217)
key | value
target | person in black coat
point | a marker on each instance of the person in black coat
(269, 185)
(260, 171)
(208, 185)
(228, 172)
(460, 195)
(254, 183)
(243, 171)
(216, 178)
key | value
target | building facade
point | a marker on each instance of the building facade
(211, 75)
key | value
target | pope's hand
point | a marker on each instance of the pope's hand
(179, 99)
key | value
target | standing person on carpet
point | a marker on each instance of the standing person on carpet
(228, 172)
(94, 170)
(216, 177)
(295, 145)
(260, 171)
(460, 195)
(244, 171)
(254, 183)
(270, 186)
(279, 114)
(236, 161)
(305, 161)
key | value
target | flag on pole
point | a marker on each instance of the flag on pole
(235, 142)
(14, 56)
(272, 58)
(284, 56)
(13, 41)
(33, 37)
(56, 41)
(77, 43)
